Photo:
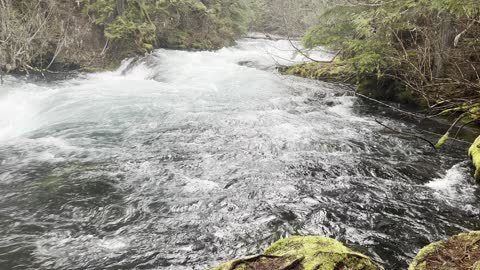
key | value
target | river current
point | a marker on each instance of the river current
(183, 160)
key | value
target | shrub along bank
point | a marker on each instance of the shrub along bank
(89, 34)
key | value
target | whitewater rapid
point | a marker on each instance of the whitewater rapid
(181, 160)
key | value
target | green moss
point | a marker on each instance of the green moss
(336, 71)
(170, 24)
(458, 252)
(320, 253)
(178, 40)
(108, 66)
(310, 252)
(474, 153)
(442, 140)
(373, 86)
(419, 263)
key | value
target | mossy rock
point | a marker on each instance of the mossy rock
(369, 85)
(461, 252)
(304, 253)
(331, 72)
(111, 65)
(474, 153)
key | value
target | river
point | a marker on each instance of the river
(182, 160)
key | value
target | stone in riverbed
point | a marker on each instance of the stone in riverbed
(460, 252)
(304, 253)
(474, 153)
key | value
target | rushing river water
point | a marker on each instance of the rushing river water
(182, 160)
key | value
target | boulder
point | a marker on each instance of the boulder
(474, 153)
(460, 252)
(304, 253)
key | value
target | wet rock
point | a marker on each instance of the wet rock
(304, 253)
(198, 245)
(474, 153)
(461, 252)
(246, 63)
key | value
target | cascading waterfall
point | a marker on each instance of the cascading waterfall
(181, 160)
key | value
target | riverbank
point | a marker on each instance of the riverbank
(61, 36)
(339, 71)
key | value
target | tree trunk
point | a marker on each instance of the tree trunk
(121, 7)
(443, 42)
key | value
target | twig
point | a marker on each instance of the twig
(390, 106)
(452, 139)
(293, 264)
(59, 48)
(350, 4)
(240, 261)
(457, 120)
(105, 47)
(457, 38)
(300, 51)
(407, 133)
(463, 126)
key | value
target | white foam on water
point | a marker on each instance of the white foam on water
(113, 244)
(66, 247)
(456, 186)
(20, 106)
(174, 79)
(199, 185)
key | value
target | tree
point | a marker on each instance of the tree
(35, 34)
(428, 49)
(286, 17)
(431, 47)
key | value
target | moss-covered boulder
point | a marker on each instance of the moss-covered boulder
(304, 253)
(461, 252)
(369, 85)
(336, 71)
(474, 153)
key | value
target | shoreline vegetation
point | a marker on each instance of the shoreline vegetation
(424, 53)
(95, 35)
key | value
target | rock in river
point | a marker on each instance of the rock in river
(304, 253)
